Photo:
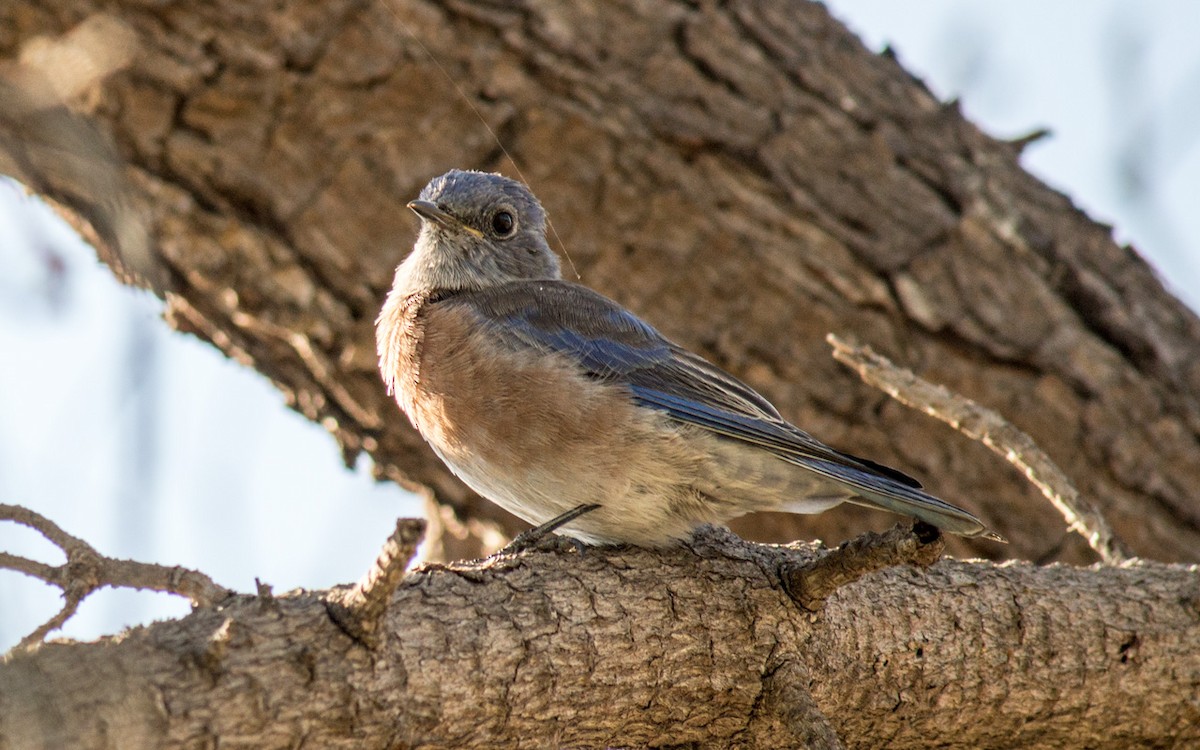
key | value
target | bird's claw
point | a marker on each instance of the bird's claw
(541, 538)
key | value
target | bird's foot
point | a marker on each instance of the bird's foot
(541, 538)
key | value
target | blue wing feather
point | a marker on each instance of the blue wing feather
(613, 345)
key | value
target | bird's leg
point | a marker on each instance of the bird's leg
(532, 538)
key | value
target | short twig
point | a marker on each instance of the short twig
(86, 570)
(989, 428)
(811, 584)
(1021, 142)
(359, 609)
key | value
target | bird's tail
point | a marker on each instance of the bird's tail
(874, 490)
(915, 503)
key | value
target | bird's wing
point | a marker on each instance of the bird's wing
(613, 345)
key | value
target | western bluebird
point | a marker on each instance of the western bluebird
(560, 405)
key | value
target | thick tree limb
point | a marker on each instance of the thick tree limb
(637, 648)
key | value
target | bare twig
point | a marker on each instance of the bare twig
(358, 609)
(1022, 142)
(86, 570)
(809, 585)
(989, 428)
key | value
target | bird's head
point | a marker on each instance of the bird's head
(477, 230)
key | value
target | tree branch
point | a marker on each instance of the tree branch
(989, 428)
(86, 571)
(639, 648)
(359, 609)
(810, 584)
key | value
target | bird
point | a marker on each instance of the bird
(569, 411)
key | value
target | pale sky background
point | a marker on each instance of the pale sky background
(151, 445)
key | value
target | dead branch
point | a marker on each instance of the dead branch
(86, 571)
(991, 429)
(359, 609)
(810, 584)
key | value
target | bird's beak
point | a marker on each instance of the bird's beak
(429, 211)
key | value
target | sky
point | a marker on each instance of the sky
(151, 445)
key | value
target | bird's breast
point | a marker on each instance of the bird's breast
(398, 335)
(477, 396)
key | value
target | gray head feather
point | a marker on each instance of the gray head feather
(477, 230)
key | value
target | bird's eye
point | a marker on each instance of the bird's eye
(503, 223)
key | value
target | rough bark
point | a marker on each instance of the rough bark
(746, 176)
(697, 646)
